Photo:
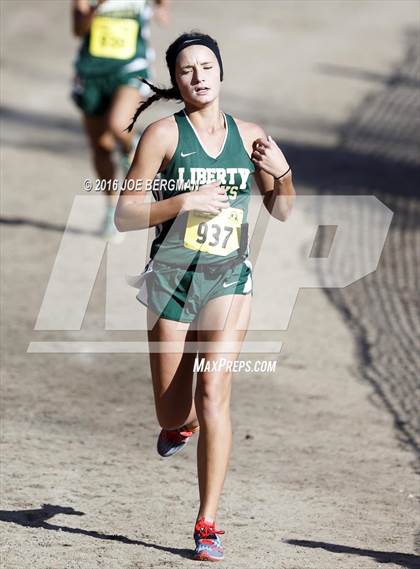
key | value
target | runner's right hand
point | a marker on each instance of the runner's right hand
(210, 198)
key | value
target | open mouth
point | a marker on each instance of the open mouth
(201, 90)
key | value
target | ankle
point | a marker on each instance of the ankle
(207, 518)
(193, 427)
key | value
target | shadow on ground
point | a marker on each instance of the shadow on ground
(37, 518)
(46, 225)
(407, 560)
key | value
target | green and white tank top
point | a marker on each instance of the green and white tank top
(118, 39)
(194, 236)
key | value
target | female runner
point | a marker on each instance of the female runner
(197, 284)
(114, 52)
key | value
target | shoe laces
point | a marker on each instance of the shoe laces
(206, 529)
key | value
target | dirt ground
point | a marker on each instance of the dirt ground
(319, 476)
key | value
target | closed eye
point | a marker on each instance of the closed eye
(187, 68)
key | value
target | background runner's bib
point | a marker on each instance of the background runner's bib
(118, 40)
(114, 38)
(219, 235)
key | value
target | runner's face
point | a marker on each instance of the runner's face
(198, 75)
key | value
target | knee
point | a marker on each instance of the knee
(117, 126)
(213, 397)
(102, 148)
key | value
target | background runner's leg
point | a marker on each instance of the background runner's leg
(124, 104)
(102, 144)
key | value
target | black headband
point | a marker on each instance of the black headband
(178, 46)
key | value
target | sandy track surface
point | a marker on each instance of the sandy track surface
(319, 478)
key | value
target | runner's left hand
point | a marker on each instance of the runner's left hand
(267, 156)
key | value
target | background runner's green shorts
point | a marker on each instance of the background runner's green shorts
(93, 95)
(179, 294)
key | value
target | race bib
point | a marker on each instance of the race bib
(217, 235)
(113, 38)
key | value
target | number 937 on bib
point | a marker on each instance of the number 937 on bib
(217, 235)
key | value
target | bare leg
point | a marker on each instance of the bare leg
(124, 104)
(172, 375)
(212, 397)
(102, 144)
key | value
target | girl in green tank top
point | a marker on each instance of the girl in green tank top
(197, 284)
(217, 240)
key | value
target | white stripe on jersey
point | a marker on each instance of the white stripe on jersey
(135, 6)
(157, 194)
(135, 65)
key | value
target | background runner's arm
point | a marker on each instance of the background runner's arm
(132, 212)
(83, 13)
(161, 11)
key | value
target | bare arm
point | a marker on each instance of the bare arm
(157, 146)
(82, 13)
(162, 11)
(277, 198)
(270, 162)
(132, 212)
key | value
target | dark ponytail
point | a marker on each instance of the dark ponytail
(159, 93)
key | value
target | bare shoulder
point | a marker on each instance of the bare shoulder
(162, 128)
(160, 136)
(249, 132)
(249, 128)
